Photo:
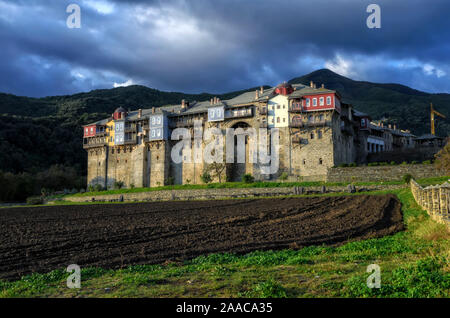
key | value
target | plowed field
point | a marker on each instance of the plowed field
(42, 239)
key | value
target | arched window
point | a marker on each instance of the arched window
(297, 121)
(322, 101)
(329, 100)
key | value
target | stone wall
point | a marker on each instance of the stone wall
(381, 173)
(434, 199)
(213, 194)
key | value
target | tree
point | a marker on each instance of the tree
(217, 169)
(443, 159)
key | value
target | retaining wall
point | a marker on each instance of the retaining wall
(212, 194)
(382, 173)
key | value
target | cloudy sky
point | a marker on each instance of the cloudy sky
(219, 45)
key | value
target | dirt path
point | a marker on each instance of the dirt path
(111, 236)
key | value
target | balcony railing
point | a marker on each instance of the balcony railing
(239, 113)
(182, 124)
(296, 108)
(93, 143)
(296, 124)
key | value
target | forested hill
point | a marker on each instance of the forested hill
(36, 133)
(399, 104)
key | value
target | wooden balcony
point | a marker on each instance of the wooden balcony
(239, 113)
(296, 108)
(296, 124)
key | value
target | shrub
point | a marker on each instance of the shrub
(443, 159)
(90, 188)
(353, 164)
(35, 200)
(343, 165)
(132, 186)
(393, 163)
(407, 178)
(284, 176)
(372, 164)
(404, 163)
(98, 187)
(248, 178)
(118, 184)
(74, 191)
(82, 191)
(206, 177)
(188, 181)
(414, 162)
(45, 192)
(170, 181)
(426, 162)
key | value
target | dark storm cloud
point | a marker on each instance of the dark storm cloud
(218, 45)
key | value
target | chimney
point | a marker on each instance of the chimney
(256, 94)
(139, 113)
(395, 127)
(218, 100)
(261, 89)
(315, 85)
(153, 110)
(212, 101)
(311, 84)
(215, 100)
(382, 125)
(183, 104)
(323, 85)
(390, 126)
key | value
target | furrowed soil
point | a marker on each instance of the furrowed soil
(42, 239)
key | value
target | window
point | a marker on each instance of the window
(329, 100)
(311, 118)
(278, 106)
(312, 135)
(322, 101)
(321, 118)
(304, 161)
(307, 102)
(319, 134)
(314, 101)
(278, 119)
(284, 120)
(92, 130)
(320, 161)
